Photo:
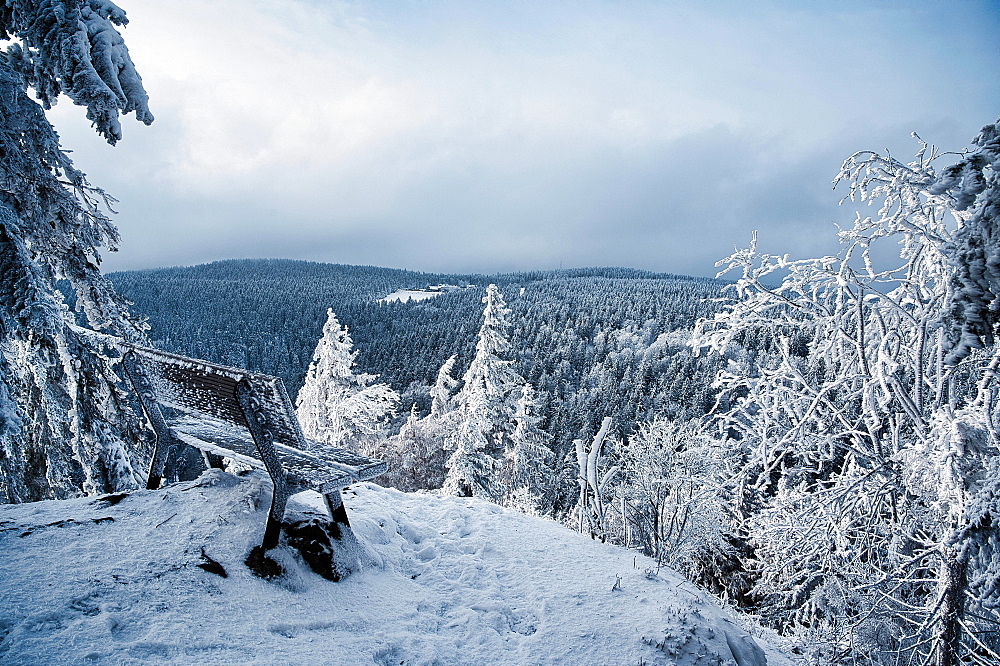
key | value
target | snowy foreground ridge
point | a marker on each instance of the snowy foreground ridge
(136, 579)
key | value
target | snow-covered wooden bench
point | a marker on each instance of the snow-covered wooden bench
(244, 416)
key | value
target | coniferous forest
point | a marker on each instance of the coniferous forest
(594, 342)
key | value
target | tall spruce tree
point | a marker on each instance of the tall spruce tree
(336, 406)
(486, 408)
(528, 472)
(64, 426)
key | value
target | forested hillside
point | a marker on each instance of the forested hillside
(594, 342)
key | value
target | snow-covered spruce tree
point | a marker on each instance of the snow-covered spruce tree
(485, 408)
(528, 475)
(418, 453)
(867, 491)
(64, 426)
(335, 406)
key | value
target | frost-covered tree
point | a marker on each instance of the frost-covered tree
(669, 482)
(415, 455)
(418, 453)
(443, 391)
(485, 412)
(528, 474)
(595, 480)
(870, 433)
(64, 426)
(336, 406)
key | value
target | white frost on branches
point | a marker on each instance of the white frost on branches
(669, 482)
(335, 406)
(485, 409)
(868, 429)
(65, 426)
(72, 47)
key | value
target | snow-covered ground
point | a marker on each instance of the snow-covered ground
(450, 581)
(404, 295)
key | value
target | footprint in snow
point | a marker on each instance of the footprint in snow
(460, 526)
(410, 533)
(87, 604)
(45, 623)
(123, 630)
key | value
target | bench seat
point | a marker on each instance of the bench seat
(320, 467)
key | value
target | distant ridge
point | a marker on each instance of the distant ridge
(222, 268)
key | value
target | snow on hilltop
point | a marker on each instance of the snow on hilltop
(137, 579)
(414, 295)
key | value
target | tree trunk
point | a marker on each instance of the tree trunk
(948, 631)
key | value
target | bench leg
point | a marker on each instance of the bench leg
(212, 460)
(271, 533)
(147, 400)
(279, 500)
(153, 481)
(335, 505)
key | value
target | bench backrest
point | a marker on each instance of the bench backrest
(211, 395)
(203, 389)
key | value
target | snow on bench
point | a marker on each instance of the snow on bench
(245, 416)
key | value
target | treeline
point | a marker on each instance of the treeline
(594, 342)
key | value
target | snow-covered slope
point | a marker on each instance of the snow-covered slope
(409, 295)
(415, 295)
(129, 580)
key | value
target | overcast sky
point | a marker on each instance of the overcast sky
(496, 136)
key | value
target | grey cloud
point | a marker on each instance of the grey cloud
(481, 140)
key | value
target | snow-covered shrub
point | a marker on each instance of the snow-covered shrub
(415, 455)
(669, 485)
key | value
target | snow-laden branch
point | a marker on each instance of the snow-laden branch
(72, 47)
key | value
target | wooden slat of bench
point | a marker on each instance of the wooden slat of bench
(362, 467)
(225, 452)
(203, 389)
(223, 436)
(195, 365)
(314, 471)
(303, 469)
(322, 466)
(191, 390)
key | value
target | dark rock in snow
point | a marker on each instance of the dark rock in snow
(263, 566)
(315, 539)
(110, 500)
